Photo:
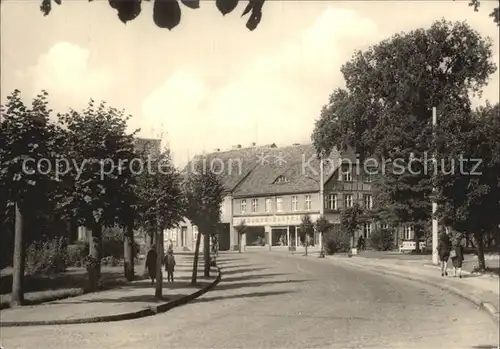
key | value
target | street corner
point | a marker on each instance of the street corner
(127, 303)
(418, 273)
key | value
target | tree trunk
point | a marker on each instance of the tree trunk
(95, 251)
(195, 262)
(17, 295)
(481, 264)
(416, 237)
(306, 242)
(206, 254)
(148, 239)
(159, 264)
(128, 252)
(322, 239)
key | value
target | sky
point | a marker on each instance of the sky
(209, 83)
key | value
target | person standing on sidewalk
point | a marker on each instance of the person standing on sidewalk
(443, 249)
(457, 256)
(151, 263)
(170, 265)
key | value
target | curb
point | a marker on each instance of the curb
(68, 293)
(153, 310)
(63, 295)
(488, 307)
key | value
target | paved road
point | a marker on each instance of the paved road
(271, 301)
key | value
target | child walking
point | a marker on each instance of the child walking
(170, 265)
(457, 256)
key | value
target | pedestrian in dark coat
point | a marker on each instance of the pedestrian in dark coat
(457, 257)
(443, 249)
(151, 263)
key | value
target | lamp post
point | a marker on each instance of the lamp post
(434, 203)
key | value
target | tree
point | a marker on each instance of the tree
(322, 226)
(100, 151)
(204, 193)
(29, 147)
(241, 229)
(495, 14)
(306, 229)
(385, 111)
(468, 175)
(161, 203)
(350, 220)
(167, 13)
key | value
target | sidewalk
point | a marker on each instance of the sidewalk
(131, 301)
(470, 262)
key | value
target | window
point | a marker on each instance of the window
(243, 205)
(279, 204)
(331, 202)
(307, 202)
(368, 201)
(281, 179)
(408, 232)
(369, 174)
(367, 229)
(268, 204)
(295, 203)
(255, 205)
(384, 226)
(346, 173)
(348, 200)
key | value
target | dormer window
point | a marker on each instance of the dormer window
(281, 179)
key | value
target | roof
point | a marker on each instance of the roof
(232, 165)
(150, 146)
(299, 166)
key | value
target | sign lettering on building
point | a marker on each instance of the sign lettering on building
(270, 220)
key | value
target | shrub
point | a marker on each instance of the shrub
(76, 254)
(382, 239)
(112, 246)
(47, 257)
(110, 261)
(337, 240)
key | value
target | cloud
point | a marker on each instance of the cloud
(64, 71)
(175, 107)
(276, 98)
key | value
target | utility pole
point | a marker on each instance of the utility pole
(321, 198)
(435, 259)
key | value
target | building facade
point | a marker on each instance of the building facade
(233, 166)
(274, 187)
(350, 185)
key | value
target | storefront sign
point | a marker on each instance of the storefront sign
(272, 220)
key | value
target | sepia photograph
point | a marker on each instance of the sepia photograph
(254, 174)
